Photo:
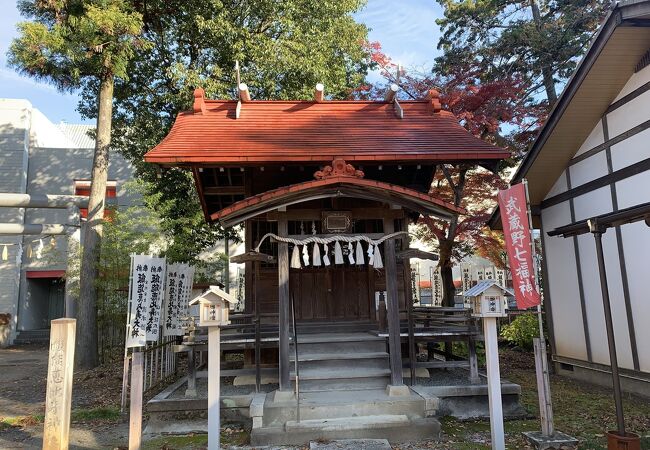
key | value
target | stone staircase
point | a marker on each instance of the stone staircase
(341, 361)
(32, 336)
(343, 379)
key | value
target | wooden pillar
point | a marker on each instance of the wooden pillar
(408, 293)
(284, 305)
(58, 398)
(394, 341)
(474, 377)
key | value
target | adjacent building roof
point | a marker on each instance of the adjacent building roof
(256, 132)
(78, 134)
(483, 286)
(615, 52)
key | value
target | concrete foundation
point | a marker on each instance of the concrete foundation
(469, 401)
(604, 378)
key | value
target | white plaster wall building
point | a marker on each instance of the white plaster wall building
(39, 157)
(593, 157)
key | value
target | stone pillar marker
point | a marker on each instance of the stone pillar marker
(56, 433)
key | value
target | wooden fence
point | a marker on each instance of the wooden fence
(160, 364)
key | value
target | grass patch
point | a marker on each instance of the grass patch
(196, 441)
(581, 410)
(95, 414)
(77, 415)
(20, 421)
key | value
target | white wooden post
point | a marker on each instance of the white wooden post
(135, 410)
(214, 380)
(494, 382)
(58, 398)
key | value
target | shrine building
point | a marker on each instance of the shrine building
(325, 191)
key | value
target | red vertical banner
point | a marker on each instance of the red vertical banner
(516, 229)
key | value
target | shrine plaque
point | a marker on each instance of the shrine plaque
(337, 221)
(59, 384)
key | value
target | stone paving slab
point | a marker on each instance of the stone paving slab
(351, 444)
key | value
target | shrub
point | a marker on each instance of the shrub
(522, 330)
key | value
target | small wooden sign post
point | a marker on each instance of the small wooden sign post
(135, 409)
(214, 381)
(494, 382)
(487, 300)
(214, 306)
(56, 433)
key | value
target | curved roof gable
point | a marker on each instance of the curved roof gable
(335, 186)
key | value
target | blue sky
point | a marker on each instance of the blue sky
(406, 30)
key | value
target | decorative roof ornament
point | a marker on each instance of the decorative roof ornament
(199, 101)
(434, 100)
(339, 168)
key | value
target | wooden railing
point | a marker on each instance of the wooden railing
(441, 324)
(246, 331)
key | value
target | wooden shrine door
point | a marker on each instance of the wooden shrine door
(333, 293)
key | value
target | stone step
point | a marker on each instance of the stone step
(342, 361)
(338, 356)
(29, 336)
(336, 327)
(394, 427)
(347, 423)
(332, 404)
(350, 372)
(347, 343)
(344, 384)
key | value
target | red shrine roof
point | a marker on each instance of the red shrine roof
(283, 131)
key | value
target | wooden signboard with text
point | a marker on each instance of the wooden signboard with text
(60, 369)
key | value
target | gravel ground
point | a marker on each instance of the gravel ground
(445, 377)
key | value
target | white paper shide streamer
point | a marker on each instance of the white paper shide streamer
(338, 253)
(326, 256)
(295, 258)
(359, 256)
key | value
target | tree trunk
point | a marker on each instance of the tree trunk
(447, 285)
(547, 72)
(86, 353)
(446, 266)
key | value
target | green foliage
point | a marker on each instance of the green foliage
(284, 49)
(539, 40)
(522, 330)
(69, 40)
